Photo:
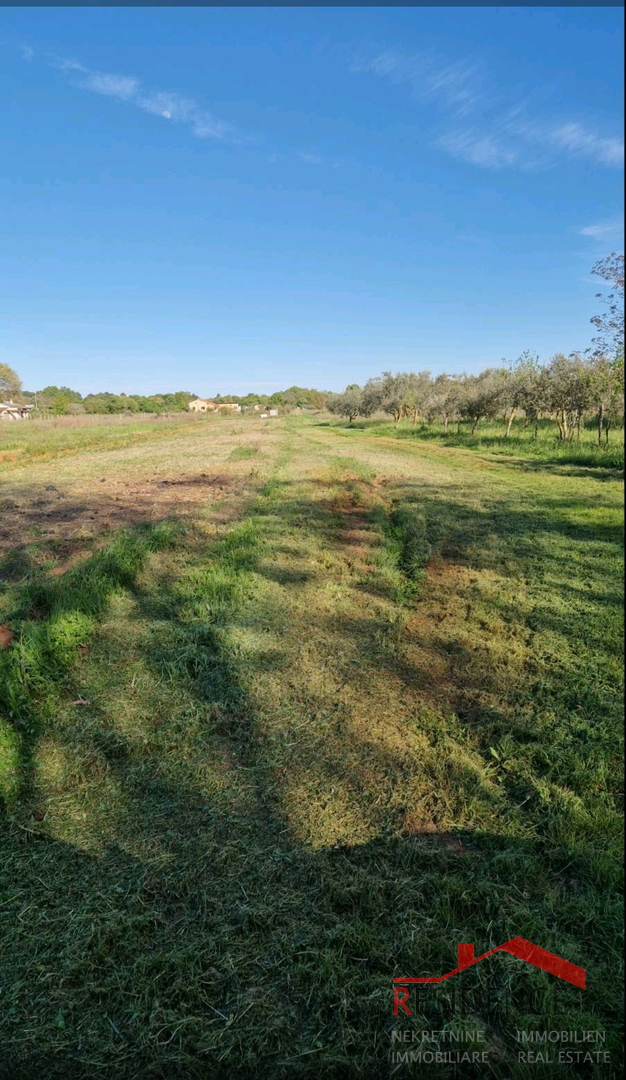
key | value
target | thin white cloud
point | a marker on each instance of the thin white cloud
(205, 126)
(122, 87)
(510, 138)
(478, 149)
(578, 141)
(454, 86)
(65, 65)
(605, 230)
(27, 52)
(571, 138)
(166, 104)
(515, 141)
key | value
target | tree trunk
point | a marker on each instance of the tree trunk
(510, 423)
(606, 429)
(536, 428)
(600, 422)
(579, 421)
(458, 427)
(562, 422)
(445, 425)
(475, 424)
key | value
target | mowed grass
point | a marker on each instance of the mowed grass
(534, 449)
(22, 443)
(358, 704)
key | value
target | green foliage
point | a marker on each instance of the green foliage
(135, 403)
(351, 403)
(10, 382)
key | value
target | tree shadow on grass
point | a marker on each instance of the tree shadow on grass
(203, 937)
(559, 466)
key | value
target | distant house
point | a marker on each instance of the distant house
(10, 410)
(272, 412)
(232, 406)
(201, 405)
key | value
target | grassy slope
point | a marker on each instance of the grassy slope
(363, 709)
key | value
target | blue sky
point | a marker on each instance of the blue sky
(241, 199)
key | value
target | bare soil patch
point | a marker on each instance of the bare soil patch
(67, 522)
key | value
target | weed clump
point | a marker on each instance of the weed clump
(409, 530)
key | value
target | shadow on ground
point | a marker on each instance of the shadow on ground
(187, 932)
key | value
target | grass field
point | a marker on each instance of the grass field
(544, 447)
(67, 435)
(288, 709)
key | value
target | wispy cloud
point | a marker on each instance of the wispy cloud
(578, 141)
(569, 138)
(454, 86)
(479, 149)
(515, 140)
(122, 87)
(65, 65)
(166, 104)
(26, 51)
(496, 137)
(605, 230)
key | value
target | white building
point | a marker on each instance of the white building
(10, 410)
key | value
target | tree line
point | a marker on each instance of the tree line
(568, 389)
(62, 400)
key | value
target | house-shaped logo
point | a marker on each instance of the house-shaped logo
(517, 946)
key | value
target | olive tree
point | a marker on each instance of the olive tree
(481, 396)
(351, 403)
(519, 388)
(569, 394)
(443, 400)
(606, 385)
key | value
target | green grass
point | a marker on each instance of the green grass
(23, 443)
(258, 763)
(242, 453)
(490, 438)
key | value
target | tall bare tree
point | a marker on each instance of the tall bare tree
(610, 324)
